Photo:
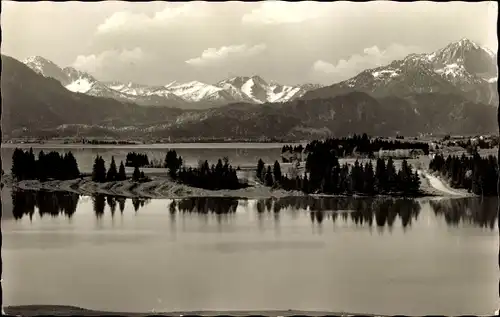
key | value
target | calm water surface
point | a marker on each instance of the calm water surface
(385, 256)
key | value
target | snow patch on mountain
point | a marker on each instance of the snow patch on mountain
(385, 73)
(81, 85)
(451, 70)
(284, 93)
(195, 91)
(247, 90)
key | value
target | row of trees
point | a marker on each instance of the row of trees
(101, 175)
(363, 145)
(48, 166)
(474, 173)
(328, 177)
(220, 176)
(215, 177)
(290, 148)
(134, 159)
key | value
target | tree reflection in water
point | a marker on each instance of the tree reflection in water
(368, 212)
(47, 203)
(477, 211)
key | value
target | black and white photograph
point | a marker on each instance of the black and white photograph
(273, 158)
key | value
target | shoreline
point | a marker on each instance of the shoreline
(162, 187)
(65, 310)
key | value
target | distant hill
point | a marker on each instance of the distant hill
(41, 106)
(32, 101)
(355, 112)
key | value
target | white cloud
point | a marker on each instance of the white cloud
(123, 21)
(94, 63)
(215, 55)
(370, 58)
(282, 12)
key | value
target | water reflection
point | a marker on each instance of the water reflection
(481, 212)
(56, 203)
(47, 203)
(363, 212)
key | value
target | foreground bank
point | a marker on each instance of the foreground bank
(59, 310)
(164, 187)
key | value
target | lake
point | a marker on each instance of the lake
(238, 153)
(393, 256)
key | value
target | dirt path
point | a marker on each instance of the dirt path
(439, 185)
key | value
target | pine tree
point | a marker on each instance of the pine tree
(99, 170)
(415, 182)
(136, 175)
(380, 176)
(369, 179)
(112, 173)
(391, 175)
(172, 163)
(260, 169)
(17, 164)
(121, 172)
(277, 172)
(31, 165)
(74, 171)
(40, 167)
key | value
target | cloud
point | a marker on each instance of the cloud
(282, 12)
(95, 63)
(213, 55)
(370, 58)
(125, 21)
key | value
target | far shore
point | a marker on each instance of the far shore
(160, 186)
(62, 310)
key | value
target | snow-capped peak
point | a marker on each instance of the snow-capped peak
(466, 42)
(252, 89)
(42, 66)
(37, 59)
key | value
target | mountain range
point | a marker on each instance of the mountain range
(190, 95)
(462, 68)
(452, 90)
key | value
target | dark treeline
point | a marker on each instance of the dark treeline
(47, 203)
(288, 148)
(101, 175)
(215, 177)
(327, 176)
(136, 160)
(47, 166)
(476, 174)
(346, 146)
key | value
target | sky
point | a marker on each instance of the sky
(158, 42)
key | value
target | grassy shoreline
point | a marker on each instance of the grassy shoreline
(162, 187)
